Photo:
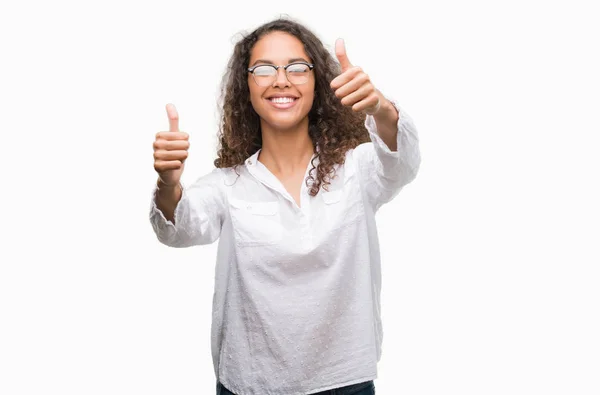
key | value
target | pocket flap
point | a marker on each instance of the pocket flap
(256, 208)
(332, 196)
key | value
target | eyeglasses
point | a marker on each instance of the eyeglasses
(266, 74)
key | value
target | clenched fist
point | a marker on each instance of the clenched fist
(170, 150)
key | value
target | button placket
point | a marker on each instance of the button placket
(265, 177)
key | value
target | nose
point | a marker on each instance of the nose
(281, 79)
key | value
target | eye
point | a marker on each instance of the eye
(264, 71)
(297, 68)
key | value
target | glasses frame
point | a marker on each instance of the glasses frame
(311, 66)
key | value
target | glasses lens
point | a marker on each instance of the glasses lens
(264, 75)
(297, 73)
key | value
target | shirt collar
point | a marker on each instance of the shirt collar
(252, 160)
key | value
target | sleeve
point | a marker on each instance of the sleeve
(199, 215)
(383, 173)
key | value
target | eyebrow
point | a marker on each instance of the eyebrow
(292, 60)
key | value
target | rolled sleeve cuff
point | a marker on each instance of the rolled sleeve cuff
(405, 126)
(166, 228)
(405, 161)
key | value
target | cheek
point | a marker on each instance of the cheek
(253, 100)
(309, 95)
(255, 95)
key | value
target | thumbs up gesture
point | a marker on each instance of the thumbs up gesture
(170, 150)
(354, 86)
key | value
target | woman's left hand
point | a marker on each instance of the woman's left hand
(354, 86)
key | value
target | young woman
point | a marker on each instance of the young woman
(309, 151)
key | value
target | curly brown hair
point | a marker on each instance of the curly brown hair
(333, 128)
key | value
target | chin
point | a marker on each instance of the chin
(284, 120)
(280, 124)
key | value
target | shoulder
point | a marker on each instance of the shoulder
(360, 151)
(217, 178)
(355, 157)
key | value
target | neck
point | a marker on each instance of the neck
(286, 151)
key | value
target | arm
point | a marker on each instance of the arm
(197, 216)
(166, 199)
(385, 167)
(392, 158)
(386, 121)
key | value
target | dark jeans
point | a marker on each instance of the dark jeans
(366, 388)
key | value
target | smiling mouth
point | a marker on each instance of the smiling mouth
(282, 100)
(282, 103)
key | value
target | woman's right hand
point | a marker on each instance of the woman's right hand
(170, 151)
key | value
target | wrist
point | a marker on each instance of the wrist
(387, 111)
(160, 184)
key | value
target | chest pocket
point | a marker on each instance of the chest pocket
(342, 208)
(255, 223)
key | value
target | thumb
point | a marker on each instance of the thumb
(340, 52)
(173, 118)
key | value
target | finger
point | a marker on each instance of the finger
(370, 104)
(171, 136)
(171, 145)
(340, 52)
(353, 85)
(164, 155)
(161, 165)
(345, 77)
(362, 93)
(173, 118)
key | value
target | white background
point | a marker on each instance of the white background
(490, 257)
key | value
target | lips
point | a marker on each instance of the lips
(282, 102)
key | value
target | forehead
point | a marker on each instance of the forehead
(278, 47)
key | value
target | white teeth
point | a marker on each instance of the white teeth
(282, 100)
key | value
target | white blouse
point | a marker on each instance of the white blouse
(296, 304)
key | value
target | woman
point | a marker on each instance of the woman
(299, 177)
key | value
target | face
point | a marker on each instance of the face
(282, 105)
